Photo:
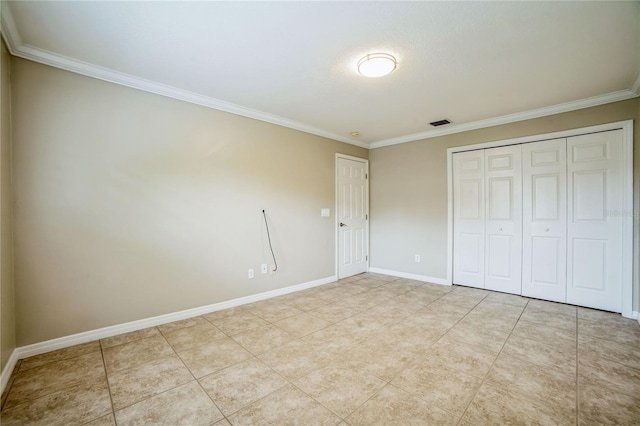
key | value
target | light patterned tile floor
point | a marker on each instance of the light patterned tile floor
(367, 350)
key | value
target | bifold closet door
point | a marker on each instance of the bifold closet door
(544, 223)
(594, 231)
(543, 219)
(503, 219)
(468, 218)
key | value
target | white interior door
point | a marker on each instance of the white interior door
(352, 215)
(503, 223)
(544, 227)
(468, 218)
(594, 231)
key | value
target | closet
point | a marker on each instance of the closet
(538, 219)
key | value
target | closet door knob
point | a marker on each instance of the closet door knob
(500, 229)
(546, 229)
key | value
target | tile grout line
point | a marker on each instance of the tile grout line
(291, 382)
(491, 366)
(324, 366)
(265, 396)
(106, 376)
(177, 386)
(295, 338)
(343, 419)
(318, 402)
(192, 375)
(447, 332)
(412, 360)
(12, 379)
(175, 352)
(388, 383)
(132, 367)
(253, 356)
(137, 365)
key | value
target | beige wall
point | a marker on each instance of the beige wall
(130, 205)
(409, 189)
(7, 315)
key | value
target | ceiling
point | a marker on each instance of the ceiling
(294, 63)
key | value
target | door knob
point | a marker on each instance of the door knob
(500, 229)
(546, 229)
(342, 224)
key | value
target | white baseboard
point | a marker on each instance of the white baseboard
(7, 370)
(441, 281)
(101, 333)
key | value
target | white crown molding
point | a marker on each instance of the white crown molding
(19, 49)
(25, 51)
(79, 67)
(8, 27)
(636, 85)
(512, 118)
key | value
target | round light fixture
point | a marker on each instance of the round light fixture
(377, 65)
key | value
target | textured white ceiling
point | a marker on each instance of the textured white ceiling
(294, 62)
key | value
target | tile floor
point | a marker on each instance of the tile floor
(367, 350)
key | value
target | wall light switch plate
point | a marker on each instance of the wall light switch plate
(325, 212)
(250, 273)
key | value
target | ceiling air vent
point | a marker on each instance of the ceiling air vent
(440, 123)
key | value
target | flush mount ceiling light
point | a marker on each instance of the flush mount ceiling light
(377, 65)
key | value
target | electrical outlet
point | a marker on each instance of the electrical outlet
(272, 269)
(417, 258)
(250, 273)
(263, 268)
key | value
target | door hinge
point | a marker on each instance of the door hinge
(366, 217)
(366, 175)
(366, 258)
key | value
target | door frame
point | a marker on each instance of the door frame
(335, 215)
(627, 214)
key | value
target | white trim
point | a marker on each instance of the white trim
(441, 281)
(68, 64)
(620, 95)
(544, 136)
(627, 141)
(17, 48)
(101, 333)
(351, 157)
(8, 28)
(627, 221)
(366, 164)
(449, 218)
(8, 370)
(636, 85)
